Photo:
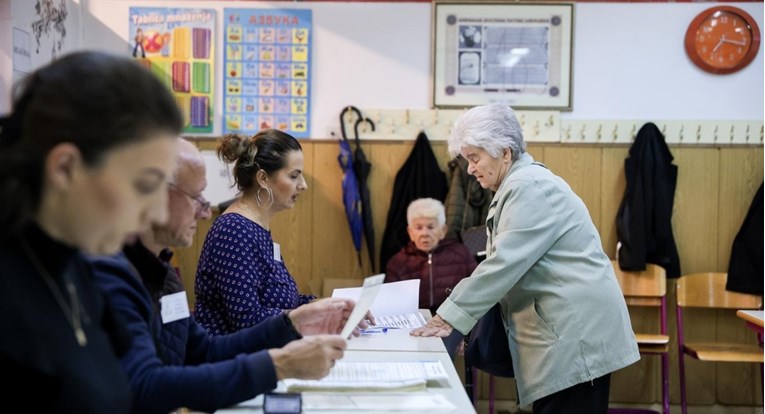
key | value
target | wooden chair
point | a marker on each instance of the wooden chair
(707, 290)
(648, 288)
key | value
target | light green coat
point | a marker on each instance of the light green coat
(566, 319)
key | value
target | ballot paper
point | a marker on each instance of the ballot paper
(377, 402)
(373, 376)
(367, 296)
(395, 305)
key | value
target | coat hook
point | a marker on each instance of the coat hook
(550, 121)
(732, 134)
(747, 133)
(664, 130)
(633, 133)
(715, 134)
(406, 119)
(615, 132)
(680, 134)
(762, 130)
(523, 120)
(698, 133)
(581, 134)
(568, 133)
(536, 128)
(599, 132)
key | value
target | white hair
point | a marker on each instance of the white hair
(426, 208)
(490, 127)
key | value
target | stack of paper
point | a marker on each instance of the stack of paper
(395, 305)
(373, 376)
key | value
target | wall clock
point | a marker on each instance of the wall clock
(722, 39)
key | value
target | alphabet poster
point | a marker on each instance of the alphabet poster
(178, 46)
(267, 59)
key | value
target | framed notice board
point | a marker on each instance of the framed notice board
(515, 53)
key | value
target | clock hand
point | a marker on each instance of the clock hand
(719, 44)
(734, 42)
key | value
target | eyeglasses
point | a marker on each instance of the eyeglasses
(204, 204)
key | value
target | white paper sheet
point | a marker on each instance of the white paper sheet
(364, 376)
(377, 402)
(396, 298)
(367, 296)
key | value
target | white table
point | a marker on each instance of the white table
(394, 346)
(451, 389)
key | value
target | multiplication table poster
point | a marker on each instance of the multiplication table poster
(267, 61)
(178, 46)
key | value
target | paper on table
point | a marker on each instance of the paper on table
(368, 293)
(377, 402)
(396, 298)
(373, 376)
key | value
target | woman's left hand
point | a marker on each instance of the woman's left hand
(435, 327)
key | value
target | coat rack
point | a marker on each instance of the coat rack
(547, 126)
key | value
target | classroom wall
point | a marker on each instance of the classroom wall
(714, 190)
(628, 59)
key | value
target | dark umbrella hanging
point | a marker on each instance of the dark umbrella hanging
(351, 196)
(362, 167)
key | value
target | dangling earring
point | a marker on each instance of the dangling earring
(270, 197)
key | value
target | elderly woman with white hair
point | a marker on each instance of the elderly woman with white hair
(439, 264)
(566, 320)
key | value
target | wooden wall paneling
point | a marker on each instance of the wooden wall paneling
(580, 167)
(613, 183)
(741, 174)
(386, 158)
(293, 230)
(332, 247)
(694, 223)
(695, 211)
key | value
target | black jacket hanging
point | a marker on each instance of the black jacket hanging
(745, 269)
(419, 177)
(644, 220)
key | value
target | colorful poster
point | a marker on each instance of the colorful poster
(267, 61)
(178, 46)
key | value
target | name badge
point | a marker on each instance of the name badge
(174, 307)
(277, 252)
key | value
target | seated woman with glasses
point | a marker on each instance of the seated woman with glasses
(241, 277)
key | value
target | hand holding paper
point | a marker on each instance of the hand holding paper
(308, 358)
(361, 310)
(323, 316)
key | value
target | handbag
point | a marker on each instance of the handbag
(486, 346)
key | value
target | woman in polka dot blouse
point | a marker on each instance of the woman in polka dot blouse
(241, 278)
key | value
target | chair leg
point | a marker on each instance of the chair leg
(683, 402)
(665, 382)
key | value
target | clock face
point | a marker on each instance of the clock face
(722, 39)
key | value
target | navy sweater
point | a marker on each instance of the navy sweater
(177, 364)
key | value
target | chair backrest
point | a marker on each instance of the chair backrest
(642, 288)
(707, 290)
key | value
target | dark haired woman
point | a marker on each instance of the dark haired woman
(84, 161)
(241, 277)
